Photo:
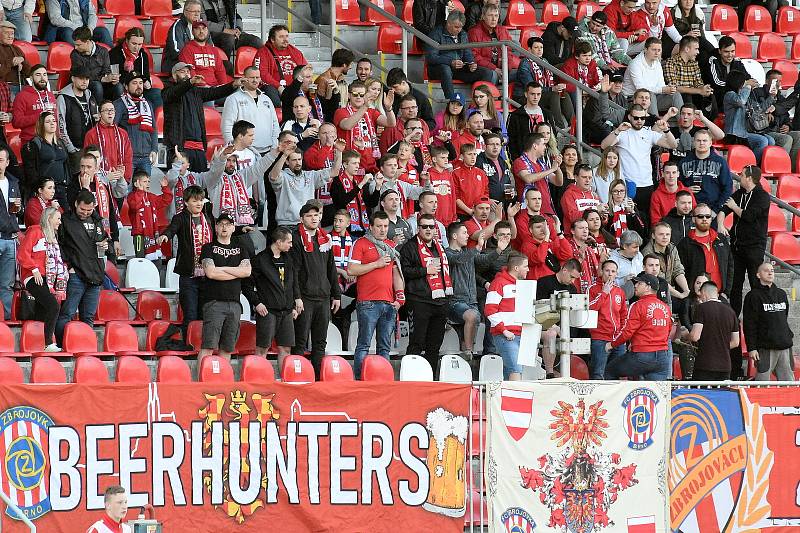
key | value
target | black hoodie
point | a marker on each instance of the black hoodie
(318, 278)
(681, 225)
(751, 228)
(765, 314)
(265, 286)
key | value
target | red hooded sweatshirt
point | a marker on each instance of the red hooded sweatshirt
(574, 202)
(522, 220)
(612, 308)
(620, 22)
(28, 105)
(662, 201)
(276, 65)
(589, 75)
(207, 61)
(501, 302)
(647, 326)
(537, 255)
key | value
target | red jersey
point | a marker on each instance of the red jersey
(574, 202)
(647, 326)
(465, 137)
(473, 225)
(471, 184)
(712, 261)
(612, 309)
(376, 285)
(522, 221)
(588, 74)
(27, 107)
(640, 19)
(207, 60)
(442, 184)
(538, 253)
(115, 147)
(620, 22)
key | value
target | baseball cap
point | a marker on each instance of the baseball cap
(198, 23)
(483, 200)
(616, 78)
(570, 24)
(225, 216)
(79, 71)
(311, 205)
(180, 65)
(7, 24)
(457, 97)
(128, 77)
(650, 279)
(600, 17)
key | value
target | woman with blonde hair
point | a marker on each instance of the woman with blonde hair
(44, 273)
(374, 98)
(607, 171)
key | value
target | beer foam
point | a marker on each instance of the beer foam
(442, 423)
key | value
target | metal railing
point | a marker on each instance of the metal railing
(13, 506)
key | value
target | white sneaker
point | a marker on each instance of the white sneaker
(52, 348)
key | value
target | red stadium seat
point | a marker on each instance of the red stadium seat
(757, 20)
(587, 9)
(213, 143)
(80, 339)
(335, 368)
(789, 72)
(739, 157)
(578, 368)
(152, 305)
(160, 30)
(786, 248)
(112, 272)
(405, 14)
(131, 369)
(770, 47)
(194, 334)
(173, 369)
(775, 161)
(15, 142)
(553, 10)
(7, 342)
(375, 17)
(795, 51)
(257, 369)
(31, 340)
(122, 339)
(376, 368)
(215, 369)
(156, 329)
(526, 34)
(246, 344)
(114, 306)
(297, 369)
(123, 24)
(58, 57)
(520, 14)
(30, 52)
(776, 222)
(160, 121)
(120, 7)
(744, 49)
(47, 370)
(11, 372)
(156, 8)
(244, 58)
(724, 18)
(789, 189)
(348, 13)
(213, 122)
(788, 20)
(90, 370)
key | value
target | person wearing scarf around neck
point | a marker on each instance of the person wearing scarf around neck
(44, 198)
(115, 145)
(179, 178)
(134, 114)
(131, 57)
(143, 207)
(91, 179)
(43, 272)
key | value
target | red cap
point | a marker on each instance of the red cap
(198, 23)
(483, 200)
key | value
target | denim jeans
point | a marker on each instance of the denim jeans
(81, 298)
(56, 33)
(17, 18)
(600, 357)
(374, 317)
(8, 271)
(758, 142)
(649, 366)
(142, 163)
(509, 351)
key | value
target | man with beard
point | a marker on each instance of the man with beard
(77, 108)
(206, 58)
(116, 152)
(181, 33)
(184, 119)
(494, 164)
(134, 114)
(363, 69)
(407, 110)
(522, 122)
(472, 134)
(293, 186)
(357, 124)
(277, 60)
(704, 250)
(31, 101)
(680, 216)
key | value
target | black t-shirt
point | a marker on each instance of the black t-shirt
(230, 255)
(548, 285)
(713, 349)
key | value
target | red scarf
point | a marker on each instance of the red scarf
(590, 265)
(233, 199)
(139, 112)
(322, 238)
(440, 283)
(200, 236)
(110, 141)
(103, 198)
(359, 219)
(427, 161)
(145, 221)
(129, 57)
(178, 197)
(364, 131)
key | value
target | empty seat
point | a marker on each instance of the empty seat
(744, 49)
(30, 52)
(160, 30)
(578, 368)
(770, 47)
(739, 157)
(415, 368)
(789, 189)
(194, 334)
(120, 7)
(7, 343)
(335, 368)
(520, 14)
(131, 369)
(377, 18)
(788, 20)
(215, 369)
(257, 369)
(90, 370)
(454, 369)
(114, 306)
(757, 20)
(158, 328)
(724, 18)
(526, 34)
(10, 372)
(788, 72)
(157, 8)
(58, 57)
(333, 343)
(245, 56)
(142, 273)
(47, 370)
(213, 122)
(776, 221)
(172, 280)
(491, 368)
(246, 344)
(80, 339)
(152, 305)
(297, 369)
(553, 10)
(348, 13)
(785, 247)
(376, 368)
(775, 161)
(123, 23)
(173, 369)
(587, 9)
(122, 339)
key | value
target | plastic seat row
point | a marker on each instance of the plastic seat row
(757, 19)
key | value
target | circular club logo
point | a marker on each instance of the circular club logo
(23, 438)
(517, 520)
(640, 419)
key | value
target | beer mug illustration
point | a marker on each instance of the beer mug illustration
(447, 463)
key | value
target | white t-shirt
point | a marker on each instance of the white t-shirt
(634, 154)
(4, 189)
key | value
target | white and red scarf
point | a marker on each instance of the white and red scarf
(364, 131)
(129, 56)
(359, 218)
(57, 272)
(342, 244)
(110, 142)
(440, 283)
(544, 77)
(322, 238)
(201, 234)
(619, 220)
(104, 203)
(316, 103)
(145, 221)
(590, 265)
(233, 199)
(139, 112)
(178, 196)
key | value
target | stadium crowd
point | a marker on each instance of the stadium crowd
(363, 191)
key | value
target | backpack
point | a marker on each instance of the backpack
(757, 120)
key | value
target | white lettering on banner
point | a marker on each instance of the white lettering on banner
(67, 437)
(168, 465)
(313, 431)
(340, 463)
(373, 431)
(128, 464)
(248, 495)
(99, 466)
(213, 463)
(286, 464)
(418, 432)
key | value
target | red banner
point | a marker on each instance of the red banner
(210, 457)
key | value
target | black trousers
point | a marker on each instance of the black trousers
(709, 375)
(315, 318)
(47, 308)
(642, 200)
(746, 259)
(426, 324)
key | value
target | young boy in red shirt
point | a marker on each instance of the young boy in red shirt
(471, 183)
(441, 181)
(143, 207)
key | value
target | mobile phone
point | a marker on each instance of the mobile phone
(773, 85)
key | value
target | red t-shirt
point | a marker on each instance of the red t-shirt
(471, 184)
(365, 131)
(472, 226)
(442, 183)
(376, 285)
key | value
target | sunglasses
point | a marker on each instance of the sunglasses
(643, 117)
(427, 226)
(702, 216)
(357, 95)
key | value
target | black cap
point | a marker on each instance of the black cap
(80, 71)
(650, 279)
(128, 77)
(311, 205)
(600, 17)
(570, 24)
(225, 216)
(616, 78)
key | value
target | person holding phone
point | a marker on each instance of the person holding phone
(777, 107)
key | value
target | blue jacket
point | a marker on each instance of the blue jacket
(143, 142)
(440, 35)
(734, 105)
(713, 173)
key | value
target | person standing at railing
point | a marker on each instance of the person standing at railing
(449, 65)
(554, 98)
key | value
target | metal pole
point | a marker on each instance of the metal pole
(263, 20)
(404, 50)
(333, 25)
(504, 50)
(564, 341)
(578, 119)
